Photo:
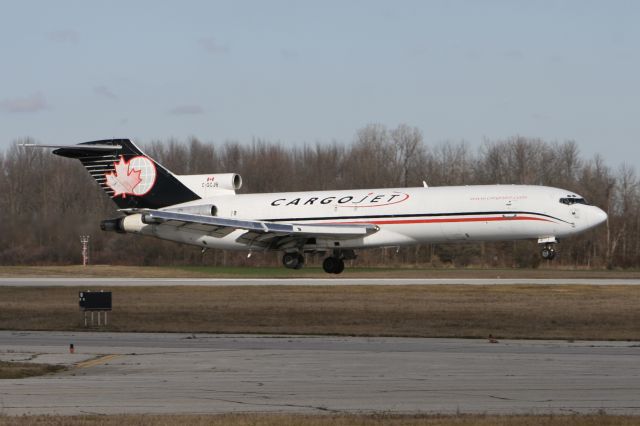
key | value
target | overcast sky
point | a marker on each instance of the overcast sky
(304, 72)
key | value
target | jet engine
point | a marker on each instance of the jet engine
(210, 185)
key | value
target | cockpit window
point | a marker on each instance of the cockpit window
(572, 200)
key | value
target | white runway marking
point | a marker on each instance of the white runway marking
(219, 282)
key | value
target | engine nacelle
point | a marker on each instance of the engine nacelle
(204, 209)
(113, 225)
(212, 184)
(132, 223)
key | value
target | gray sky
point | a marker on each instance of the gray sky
(305, 72)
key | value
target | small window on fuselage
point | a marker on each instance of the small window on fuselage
(573, 200)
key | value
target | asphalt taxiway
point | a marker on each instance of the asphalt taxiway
(214, 282)
(179, 373)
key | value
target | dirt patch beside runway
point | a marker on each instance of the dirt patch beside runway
(20, 370)
(505, 311)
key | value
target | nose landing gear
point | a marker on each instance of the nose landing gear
(548, 252)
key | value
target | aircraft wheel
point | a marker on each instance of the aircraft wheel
(291, 260)
(300, 261)
(548, 253)
(333, 265)
(329, 264)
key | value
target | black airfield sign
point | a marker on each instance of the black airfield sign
(95, 300)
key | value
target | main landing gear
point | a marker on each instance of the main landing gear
(293, 260)
(333, 264)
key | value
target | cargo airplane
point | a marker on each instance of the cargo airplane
(205, 211)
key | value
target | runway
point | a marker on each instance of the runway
(218, 282)
(178, 373)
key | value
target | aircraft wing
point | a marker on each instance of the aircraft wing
(258, 233)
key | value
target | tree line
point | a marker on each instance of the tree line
(48, 202)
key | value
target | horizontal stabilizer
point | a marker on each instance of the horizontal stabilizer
(77, 146)
(86, 149)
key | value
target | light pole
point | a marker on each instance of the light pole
(84, 239)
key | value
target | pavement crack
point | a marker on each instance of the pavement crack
(264, 404)
(500, 397)
(93, 413)
(519, 399)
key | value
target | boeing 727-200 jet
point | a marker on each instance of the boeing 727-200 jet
(205, 211)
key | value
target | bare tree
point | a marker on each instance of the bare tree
(55, 200)
(409, 152)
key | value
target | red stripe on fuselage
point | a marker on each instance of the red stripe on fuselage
(440, 220)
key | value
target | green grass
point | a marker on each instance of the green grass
(309, 271)
(253, 272)
(402, 272)
(306, 272)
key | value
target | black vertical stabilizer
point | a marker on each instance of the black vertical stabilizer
(131, 178)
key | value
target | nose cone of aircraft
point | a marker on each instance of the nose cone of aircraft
(598, 216)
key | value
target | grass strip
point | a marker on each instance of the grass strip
(109, 271)
(507, 311)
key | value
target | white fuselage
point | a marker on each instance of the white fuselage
(404, 216)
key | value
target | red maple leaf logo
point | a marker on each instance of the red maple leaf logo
(123, 180)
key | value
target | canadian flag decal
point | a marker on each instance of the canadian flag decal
(135, 177)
